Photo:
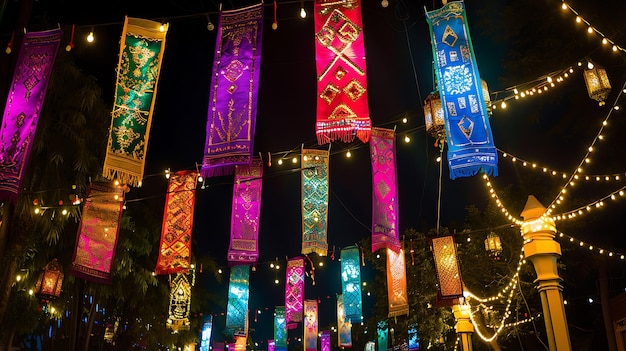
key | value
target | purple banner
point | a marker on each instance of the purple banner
(384, 190)
(234, 91)
(244, 227)
(21, 114)
(294, 292)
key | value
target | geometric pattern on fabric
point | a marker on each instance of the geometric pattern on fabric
(384, 190)
(471, 147)
(325, 340)
(382, 335)
(314, 201)
(180, 301)
(234, 91)
(98, 232)
(139, 66)
(294, 291)
(396, 284)
(351, 284)
(344, 326)
(175, 251)
(238, 296)
(280, 329)
(246, 209)
(447, 267)
(342, 106)
(310, 325)
(21, 113)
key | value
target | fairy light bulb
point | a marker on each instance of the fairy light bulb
(348, 154)
(302, 11)
(384, 3)
(162, 28)
(90, 37)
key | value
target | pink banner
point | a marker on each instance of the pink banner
(310, 325)
(294, 291)
(244, 227)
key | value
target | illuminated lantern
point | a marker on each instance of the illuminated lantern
(48, 286)
(486, 96)
(433, 117)
(493, 245)
(597, 82)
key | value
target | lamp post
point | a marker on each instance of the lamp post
(463, 326)
(542, 250)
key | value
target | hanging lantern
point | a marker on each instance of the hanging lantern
(48, 286)
(493, 245)
(433, 117)
(486, 96)
(597, 82)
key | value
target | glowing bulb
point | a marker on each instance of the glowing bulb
(302, 12)
(590, 30)
(90, 37)
(384, 3)
(294, 160)
(578, 19)
(503, 105)
(407, 139)
(348, 154)
(604, 41)
(405, 120)
(210, 26)
(162, 28)
(280, 161)
(564, 6)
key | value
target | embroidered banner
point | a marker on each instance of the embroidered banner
(468, 132)
(180, 303)
(384, 190)
(294, 291)
(310, 325)
(207, 327)
(382, 335)
(448, 271)
(23, 106)
(98, 232)
(396, 284)
(342, 106)
(175, 247)
(344, 326)
(280, 329)
(351, 283)
(325, 340)
(238, 296)
(138, 69)
(244, 226)
(271, 345)
(314, 201)
(414, 341)
(234, 91)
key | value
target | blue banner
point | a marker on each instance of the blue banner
(470, 143)
(238, 296)
(351, 284)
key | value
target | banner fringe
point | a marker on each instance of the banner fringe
(122, 177)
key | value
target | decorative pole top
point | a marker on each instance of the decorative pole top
(533, 209)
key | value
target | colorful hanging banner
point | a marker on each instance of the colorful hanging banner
(382, 335)
(325, 340)
(310, 325)
(23, 107)
(370, 346)
(294, 291)
(207, 327)
(314, 201)
(344, 326)
(238, 296)
(244, 225)
(180, 303)
(468, 132)
(351, 283)
(280, 329)
(342, 106)
(396, 284)
(414, 341)
(140, 58)
(271, 345)
(448, 272)
(175, 247)
(234, 91)
(98, 232)
(384, 190)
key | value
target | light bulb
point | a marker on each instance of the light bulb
(384, 3)
(210, 26)
(90, 37)
(348, 154)
(302, 12)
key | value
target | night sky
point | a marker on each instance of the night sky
(553, 130)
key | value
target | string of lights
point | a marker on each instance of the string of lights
(606, 41)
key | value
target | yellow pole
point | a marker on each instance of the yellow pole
(542, 250)
(464, 326)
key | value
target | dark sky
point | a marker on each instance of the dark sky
(515, 42)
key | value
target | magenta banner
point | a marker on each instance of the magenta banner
(294, 292)
(234, 91)
(384, 190)
(23, 107)
(244, 227)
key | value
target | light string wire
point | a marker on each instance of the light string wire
(592, 29)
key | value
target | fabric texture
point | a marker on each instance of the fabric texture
(98, 233)
(207, 328)
(245, 214)
(344, 326)
(314, 201)
(23, 106)
(175, 246)
(280, 329)
(396, 284)
(470, 142)
(138, 69)
(325, 340)
(342, 106)
(351, 284)
(294, 291)
(180, 303)
(310, 325)
(238, 296)
(414, 341)
(384, 190)
(234, 91)
(447, 266)
(382, 335)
